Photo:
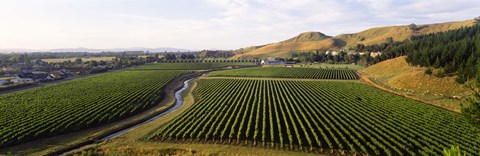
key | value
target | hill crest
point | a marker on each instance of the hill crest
(309, 41)
(308, 36)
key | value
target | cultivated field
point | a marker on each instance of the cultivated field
(282, 72)
(55, 60)
(317, 115)
(195, 65)
(324, 65)
(78, 104)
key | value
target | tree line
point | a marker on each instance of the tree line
(455, 52)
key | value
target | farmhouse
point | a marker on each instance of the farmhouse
(267, 62)
(57, 75)
(39, 76)
(290, 62)
(375, 54)
(4, 82)
(333, 53)
(22, 78)
(9, 73)
(31, 77)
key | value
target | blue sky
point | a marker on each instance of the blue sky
(205, 24)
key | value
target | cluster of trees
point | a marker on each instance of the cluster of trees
(215, 54)
(11, 59)
(386, 46)
(183, 56)
(341, 57)
(389, 49)
(454, 51)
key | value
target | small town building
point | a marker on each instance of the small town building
(57, 75)
(333, 53)
(274, 62)
(40, 76)
(4, 82)
(22, 78)
(375, 54)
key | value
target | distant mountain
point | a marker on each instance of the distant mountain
(81, 49)
(309, 41)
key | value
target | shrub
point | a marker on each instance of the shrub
(439, 73)
(428, 71)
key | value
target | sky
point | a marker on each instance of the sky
(206, 24)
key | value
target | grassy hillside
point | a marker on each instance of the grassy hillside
(398, 33)
(308, 36)
(399, 76)
(283, 49)
(317, 41)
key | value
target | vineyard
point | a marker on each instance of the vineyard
(281, 72)
(78, 104)
(349, 117)
(195, 65)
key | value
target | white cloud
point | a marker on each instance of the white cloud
(220, 24)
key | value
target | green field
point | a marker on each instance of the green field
(195, 65)
(324, 65)
(314, 115)
(78, 104)
(282, 72)
(56, 60)
(5, 78)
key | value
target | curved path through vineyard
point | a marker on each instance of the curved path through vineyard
(67, 142)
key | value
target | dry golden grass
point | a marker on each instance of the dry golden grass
(398, 33)
(282, 49)
(317, 41)
(308, 36)
(410, 80)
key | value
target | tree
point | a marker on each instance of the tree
(183, 56)
(428, 71)
(38, 61)
(93, 63)
(360, 48)
(78, 61)
(472, 111)
(102, 63)
(170, 57)
(190, 56)
(413, 27)
(389, 41)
